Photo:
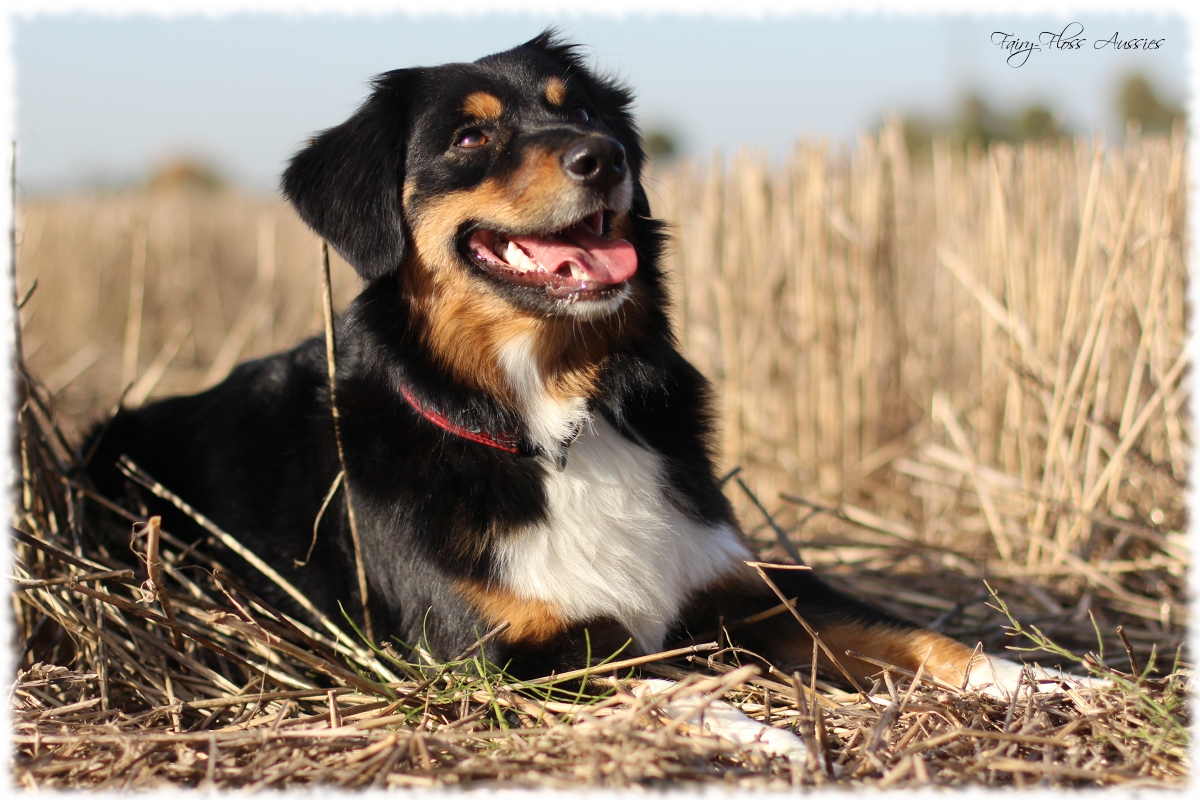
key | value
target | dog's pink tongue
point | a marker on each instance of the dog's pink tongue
(602, 260)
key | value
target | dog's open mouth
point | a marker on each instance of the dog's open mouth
(575, 263)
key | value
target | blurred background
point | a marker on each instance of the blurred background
(941, 297)
(114, 102)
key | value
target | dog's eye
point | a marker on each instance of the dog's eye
(471, 138)
(579, 114)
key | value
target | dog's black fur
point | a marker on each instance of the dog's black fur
(402, 190)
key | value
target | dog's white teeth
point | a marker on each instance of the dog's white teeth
(519, 260)
(577, 272)
(528, 264)
(513, 255)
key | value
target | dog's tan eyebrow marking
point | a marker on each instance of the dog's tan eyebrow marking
(556, 91)
(482, 105)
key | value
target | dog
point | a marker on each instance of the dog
(524, 447)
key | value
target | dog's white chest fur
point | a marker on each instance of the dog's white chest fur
(613, 544)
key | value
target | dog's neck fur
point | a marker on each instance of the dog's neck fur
(489, 347)
(552, 419)
(542, 370)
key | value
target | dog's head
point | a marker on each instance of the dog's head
(513, 181)
(502, 199)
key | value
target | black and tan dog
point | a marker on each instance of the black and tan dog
(523, 441)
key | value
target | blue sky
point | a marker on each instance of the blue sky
(106, 97)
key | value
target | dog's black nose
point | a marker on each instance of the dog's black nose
(597, 162)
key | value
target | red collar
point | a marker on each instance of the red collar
(507, 442)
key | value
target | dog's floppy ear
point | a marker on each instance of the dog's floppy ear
(347, 183)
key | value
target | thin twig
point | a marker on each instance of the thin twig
(1134, 668)
(110, 575)
(137, 294)
(330, 358)
(780, 534)
(320, 515)
(758, 567)
(56, 552)
(153, 533)
(623, 664)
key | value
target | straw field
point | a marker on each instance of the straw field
(955, 385)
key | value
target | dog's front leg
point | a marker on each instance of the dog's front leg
(853, 642)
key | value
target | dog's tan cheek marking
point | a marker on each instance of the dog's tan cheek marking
(482, 105)
(530, 621)
(556, 91)
(461, 323)
(462, 320)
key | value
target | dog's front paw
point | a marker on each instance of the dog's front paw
(723, 720)
(999, 677)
